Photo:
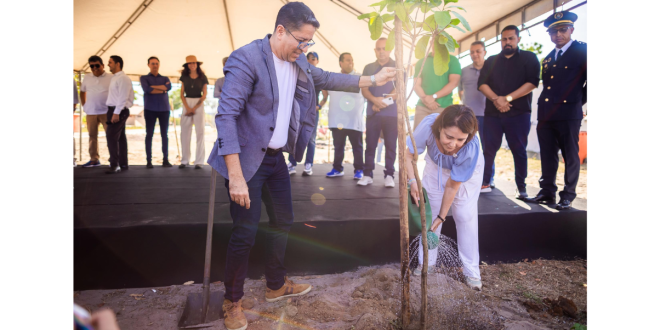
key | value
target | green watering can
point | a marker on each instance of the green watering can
(415, 220)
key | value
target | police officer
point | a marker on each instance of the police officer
(560, 110)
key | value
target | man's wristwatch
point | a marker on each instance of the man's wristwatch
(373, 80)
(509, 98)
(435, 96)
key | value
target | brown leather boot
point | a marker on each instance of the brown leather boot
(234, 317)
(289, 289)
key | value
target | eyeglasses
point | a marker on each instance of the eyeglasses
(301, 44)
(95, 66)
(561, 30)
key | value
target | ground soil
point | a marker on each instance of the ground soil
(523, 295)
(504, 167)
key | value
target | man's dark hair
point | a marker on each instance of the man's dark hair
(95, 58)
(293, 15)
(119, 60)
(224, 61)
(457, 115)
(479, 42)
(153, 58)
(511, 27)
(341, 57)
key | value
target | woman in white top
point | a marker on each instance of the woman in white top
(452, 178)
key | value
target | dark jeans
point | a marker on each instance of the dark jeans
(516, 129)
(116, 137)
(339, 141)
(311, 146)
(272, 180)
(480, 119)
(164, 120)
(554, 136)
(376, 124)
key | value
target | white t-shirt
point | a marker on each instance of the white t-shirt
(120, 93)
(346, 109)
(286, 84)
(96, 93)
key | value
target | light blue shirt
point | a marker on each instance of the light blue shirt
(563, 49)
(462, 164)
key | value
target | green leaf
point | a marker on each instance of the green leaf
(450, 43)
(450, 1)
(440, 59)
(425, 7)
(368, 15)
(390, 6)
(381, 3)
(429, 24)
(457, 28)
(442, 18)
(420, 48)
(455, 21)
(400, 11)
(387, 17)
(457, 7)
(377, 28)
(441, 39)
(389, 45)
(463, 21)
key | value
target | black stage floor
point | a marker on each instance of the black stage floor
(147, 227)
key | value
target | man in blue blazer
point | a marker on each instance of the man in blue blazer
(268, 106)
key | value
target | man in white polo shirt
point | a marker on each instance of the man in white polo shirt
(120, 98)
(346, 119)
(93, 95)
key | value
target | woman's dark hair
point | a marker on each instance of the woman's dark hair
(293, 15)
(457, 115)
(119, 60)
(95, 58)
(186, 70)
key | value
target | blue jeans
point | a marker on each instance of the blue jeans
(480, 119)
(311, 146)
(516, 129)
(376, 124)
(150, 119)
(273, 182)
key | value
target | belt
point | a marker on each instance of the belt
(273, 152)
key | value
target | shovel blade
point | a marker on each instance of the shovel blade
(192, 311)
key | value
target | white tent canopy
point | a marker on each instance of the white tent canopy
(173, 29)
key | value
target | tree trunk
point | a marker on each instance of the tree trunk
(402, 116)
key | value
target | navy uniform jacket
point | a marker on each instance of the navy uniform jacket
(564, 84)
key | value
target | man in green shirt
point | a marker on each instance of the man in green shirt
(435, 92)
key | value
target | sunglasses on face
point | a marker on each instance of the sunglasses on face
(95, 66)
(560, 30)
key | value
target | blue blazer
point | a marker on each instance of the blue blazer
(247, 111)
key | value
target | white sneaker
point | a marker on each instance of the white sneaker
(365, 181)
(308, 170)
(473, 283)
(292, 169)
(389, 181)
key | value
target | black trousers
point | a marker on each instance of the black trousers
(554, 136)
(339, 141)
(150, 118)
(116, 137)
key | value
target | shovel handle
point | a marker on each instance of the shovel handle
(209, 243)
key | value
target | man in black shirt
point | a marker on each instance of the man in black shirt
(507, 80)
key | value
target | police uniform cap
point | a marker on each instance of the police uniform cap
(560, 18)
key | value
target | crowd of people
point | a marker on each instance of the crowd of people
(269, 103)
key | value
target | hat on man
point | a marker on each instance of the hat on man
(313, 54)
(190, 59)
(560, 18)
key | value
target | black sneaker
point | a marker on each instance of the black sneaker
(182, 166)
(149, 165)
(198, 167)
(124, 168)
(113, 170)
(166, 163)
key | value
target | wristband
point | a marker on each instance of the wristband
(373, 80)
(439, 217)
(411, 181)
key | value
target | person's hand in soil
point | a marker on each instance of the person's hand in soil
(104, 320)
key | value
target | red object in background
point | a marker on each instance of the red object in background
(76, 122)
(582, 144)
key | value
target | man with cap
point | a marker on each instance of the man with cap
(560, 110)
